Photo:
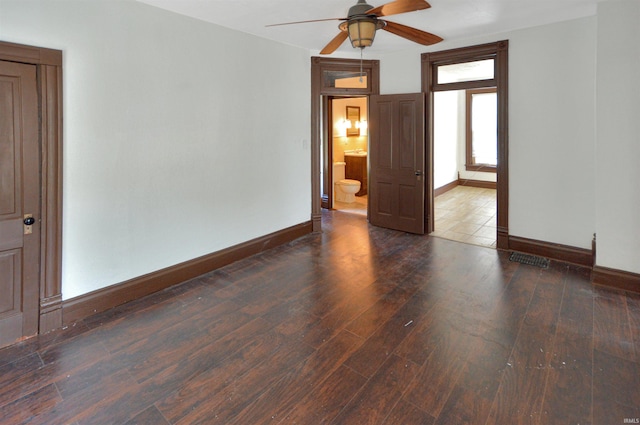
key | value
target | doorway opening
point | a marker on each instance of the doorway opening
(465, 158)
(349, 145)
(334, 79)
(467, 191)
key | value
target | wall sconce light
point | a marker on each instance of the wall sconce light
(343, 125)
(362, 125)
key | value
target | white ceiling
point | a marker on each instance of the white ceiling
(450, 19)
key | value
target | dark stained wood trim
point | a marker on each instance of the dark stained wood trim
(13, 52)
(498, 50)
(51, 235)
(465, 85)
(103, 299)
(502, 195)
(327, 151)
(566, 253)
(470, 165)
(444, 189)
(427, 88)
(462, 54)
(48, 64)
(316, 145)
(616, 278)
(478, 183)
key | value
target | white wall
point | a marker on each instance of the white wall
(617, 200)
(446, 137)
(552, 133)
(181, 138)
(551, 125)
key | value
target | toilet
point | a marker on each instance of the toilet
(345, 189)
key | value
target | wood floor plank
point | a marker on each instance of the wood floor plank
(385, 340)
(440, 372)
(327, 400)
(406, 413)
(351, 306)
(568, 392)
(226, 404)
(464, 407)
(302, 378)
(471, 399)
(28, 407)
(292, 316)
(366, 324)
(356, 324)
(114, 400)
(633, 305)
(192, 393)
(150, 416)
(23, 377)
(189, 368)
(380, 394)
(613, 378)
(187, 342)
(612, 332)
(521, 393)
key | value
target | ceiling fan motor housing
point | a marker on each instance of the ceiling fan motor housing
(359, 9)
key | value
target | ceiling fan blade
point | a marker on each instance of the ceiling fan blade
(399, 6)
(305, 22)
(335, 43)
(413, 34)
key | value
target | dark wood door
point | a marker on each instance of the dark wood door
(19, 199)
(396, 161)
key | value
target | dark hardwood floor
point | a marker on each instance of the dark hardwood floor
(358, 325)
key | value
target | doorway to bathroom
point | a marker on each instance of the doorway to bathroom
(349, 145)
(338, 79)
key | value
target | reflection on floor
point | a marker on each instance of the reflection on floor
(357, 207)
(467, 214)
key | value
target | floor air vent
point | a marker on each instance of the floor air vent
(531, 260)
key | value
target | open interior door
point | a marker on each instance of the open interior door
(397, 162)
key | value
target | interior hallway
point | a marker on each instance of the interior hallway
(355, 325)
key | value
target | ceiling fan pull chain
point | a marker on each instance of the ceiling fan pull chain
(361, 49)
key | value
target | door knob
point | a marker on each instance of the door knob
(418, 173)
(28, 221)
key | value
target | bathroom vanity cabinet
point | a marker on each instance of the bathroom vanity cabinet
(356, 169)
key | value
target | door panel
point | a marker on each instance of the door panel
(19, 195)
(396, 155)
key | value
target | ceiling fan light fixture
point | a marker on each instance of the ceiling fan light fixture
(362, 30)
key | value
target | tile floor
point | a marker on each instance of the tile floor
(357, 207)
(463, 214)
(467, 214)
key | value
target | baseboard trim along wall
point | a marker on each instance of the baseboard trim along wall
(444, 189)
(103, 299)
(554, 251)
(464, 182)
(78, 308)
(478, 183)
(627, 281)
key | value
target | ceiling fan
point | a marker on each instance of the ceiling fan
(363, 20)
